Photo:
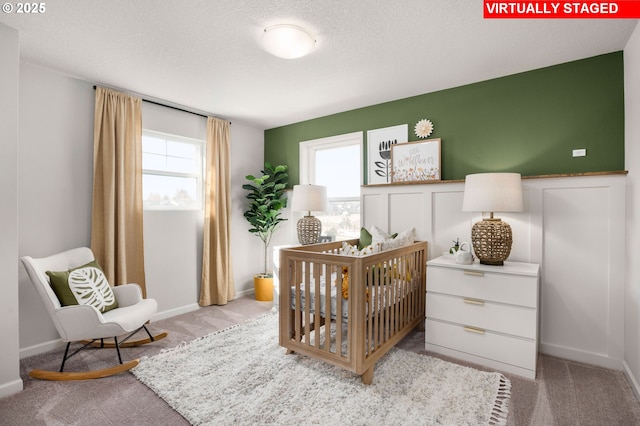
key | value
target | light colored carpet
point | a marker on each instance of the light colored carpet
(242, 376)
(564, 393)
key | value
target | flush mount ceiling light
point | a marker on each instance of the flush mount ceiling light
(287, 41)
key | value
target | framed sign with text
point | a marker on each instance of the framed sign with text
(416, 161)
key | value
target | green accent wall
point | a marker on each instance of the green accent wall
(528, 123)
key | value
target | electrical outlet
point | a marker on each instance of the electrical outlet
(580, 152)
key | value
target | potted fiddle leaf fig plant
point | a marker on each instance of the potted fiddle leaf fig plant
(266, 199)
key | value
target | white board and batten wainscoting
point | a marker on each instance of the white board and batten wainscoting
(573, 227)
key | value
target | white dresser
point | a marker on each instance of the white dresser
(484, 314)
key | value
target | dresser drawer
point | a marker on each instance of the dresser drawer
(509, 350)
(497, 287)
(509, 319)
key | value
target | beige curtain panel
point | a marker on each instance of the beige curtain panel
(116, 227)
(217, 286)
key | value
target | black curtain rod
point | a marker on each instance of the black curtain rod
(172, 107)
(168, 106)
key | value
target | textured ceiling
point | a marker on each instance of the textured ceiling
(205, 54)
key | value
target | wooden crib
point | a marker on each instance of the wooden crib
(386, 300)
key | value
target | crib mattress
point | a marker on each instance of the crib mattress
(323, 300)
(382, 302)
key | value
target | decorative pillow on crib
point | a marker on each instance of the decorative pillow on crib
(349, 250)
(388, 242)
(84, 285)
(366, 239)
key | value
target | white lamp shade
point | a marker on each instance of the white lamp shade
(493, 192)
(308, 198)
(287, 41)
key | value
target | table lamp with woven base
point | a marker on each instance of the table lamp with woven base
(491, 239)
(308, 198)
(492, 192)
(309, 230)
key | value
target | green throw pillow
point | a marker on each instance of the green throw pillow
(365, 238)
(84, 285)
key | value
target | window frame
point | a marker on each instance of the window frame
(308, 150)
(307, 159)
(200, 177)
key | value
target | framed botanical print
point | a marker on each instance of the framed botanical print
(379, 143)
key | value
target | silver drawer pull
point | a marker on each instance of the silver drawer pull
(476, 273)
(474, 302)
(473, 329)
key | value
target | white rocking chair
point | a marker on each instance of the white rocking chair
(85, 323)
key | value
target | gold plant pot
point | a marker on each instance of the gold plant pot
(263, 286)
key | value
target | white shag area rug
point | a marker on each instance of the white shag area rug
(242, 376)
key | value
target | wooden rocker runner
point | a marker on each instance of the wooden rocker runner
(126, 314)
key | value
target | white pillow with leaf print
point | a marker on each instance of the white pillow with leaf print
(388, 242)
(84, 285)
(349, 250)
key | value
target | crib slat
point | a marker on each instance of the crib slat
(395, 289)
(381, 312)
(387, 302)
(298, 310)
(411, 292)
(383, 300)
(327, 302)
(376, 306)
(403, 304)
(406, 289)
(406, 284)
(386, 305)
(381, 291)
(339, 314)
(307, 301)
(369, 306)
(413, 288)
(316, 310)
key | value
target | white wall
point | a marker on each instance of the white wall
(55, 169)
(632, 164)
(247, 158)
(572, 227)
(55, 163)
(173, 239)
(10, 381)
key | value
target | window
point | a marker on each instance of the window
(336, 162)
(172, 172)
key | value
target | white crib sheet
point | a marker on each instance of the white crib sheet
(382, 302)
(323, 299)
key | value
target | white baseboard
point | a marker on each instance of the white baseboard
(41, 348)
(55, 344)
(11, 387)
(593, 359)
(245, 292)
(193, 307)
(51, 345)
(580, 356)
(173, 312)
(632, 379)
